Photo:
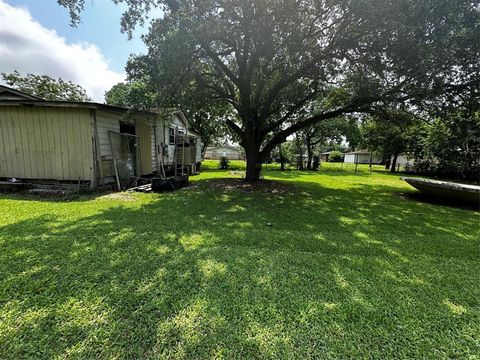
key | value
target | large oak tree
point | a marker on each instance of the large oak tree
(269, 59)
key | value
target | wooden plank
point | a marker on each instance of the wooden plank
(68, 130)
(8, 138)
(4, 163)
(57, 145)
(17, 136)
(144, 131)
(49, 147)
(38, 147)
(12, 142)
(17, 128)
(64, 151)
(85, 144)
(72, 126)
(95, 170)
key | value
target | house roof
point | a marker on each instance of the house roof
(358, 152)
(8, 93)
(223, 147)
(19, 98)
(74, 104)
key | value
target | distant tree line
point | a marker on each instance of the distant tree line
(46, 87)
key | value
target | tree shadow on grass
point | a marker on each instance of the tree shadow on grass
(423, 198)
(196, 274)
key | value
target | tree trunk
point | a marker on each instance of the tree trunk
(254, 163)
(387, 164)
(282, 159)
(204, 149)
(393, 165)
(309, 154)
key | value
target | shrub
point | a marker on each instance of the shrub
(224, 163)
(335, 156)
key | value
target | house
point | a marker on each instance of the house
(230, 152)
(325, 155)
(361, 157)
(403, 160)
(90, 144)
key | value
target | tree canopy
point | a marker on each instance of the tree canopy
(267, 60)
(46, 87)
(391, 133)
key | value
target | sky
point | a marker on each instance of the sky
(36, 37)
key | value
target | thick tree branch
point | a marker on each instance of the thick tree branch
(229, 73)
(281, 136)
(234, 127)
(290, 112)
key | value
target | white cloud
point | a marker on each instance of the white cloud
(27, 46)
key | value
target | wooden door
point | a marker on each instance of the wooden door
(144, 132)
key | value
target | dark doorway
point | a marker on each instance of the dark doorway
(126, 128)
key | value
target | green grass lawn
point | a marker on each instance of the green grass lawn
(351, 267)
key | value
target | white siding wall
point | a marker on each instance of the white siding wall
(349, 158)
(404, 160)
(219, 152)
(162, 137)
(154, 149)
(363, 159)
(360, 159)
(177, 122)
(199, 150)
(106, 122)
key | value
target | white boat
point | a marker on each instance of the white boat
(446, 189)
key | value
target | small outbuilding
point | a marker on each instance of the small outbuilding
(229, 152)
(325, 155)
(361, 157)
(90, 144)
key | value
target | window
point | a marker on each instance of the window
(171, 135)
(193, 140)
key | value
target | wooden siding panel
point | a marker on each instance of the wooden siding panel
(9, 142)
(63, 144)
(41, 155)
(153, 150)
(106, 123)
(5, 127)
(17, 138)
(45, 143)
(3, 153)
(144, 131)
(49, 146)
(20, 130)
(55, 117)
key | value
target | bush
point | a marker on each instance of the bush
(224, 163)
(335, 156)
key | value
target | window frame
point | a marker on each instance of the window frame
(171, 135)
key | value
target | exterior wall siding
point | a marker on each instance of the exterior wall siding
(144, 131)
(217, 153)
(46, 143)
(106, 122)
(111, 122)
(360, 159)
